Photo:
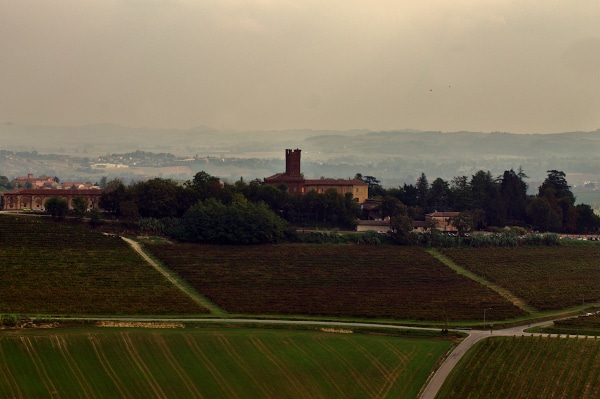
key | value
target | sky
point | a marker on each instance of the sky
(522, 66)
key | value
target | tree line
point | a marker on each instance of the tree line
(205, 209)
(492, 201)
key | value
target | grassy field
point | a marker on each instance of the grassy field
(527, 367)
(213, 363)
(58, 268)
(547, 278)
(332, 280)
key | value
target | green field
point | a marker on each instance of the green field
(212, 363)
(526, 368)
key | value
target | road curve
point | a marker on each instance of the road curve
(435, 383)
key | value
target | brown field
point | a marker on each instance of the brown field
(58, 268)
(547, 278)
(332, 280)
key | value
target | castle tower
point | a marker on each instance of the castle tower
(292, 162)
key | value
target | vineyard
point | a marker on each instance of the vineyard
(332, 280)
(213, 363)
(547, 278)
(527, 367)
(57, 268)
(586, 322)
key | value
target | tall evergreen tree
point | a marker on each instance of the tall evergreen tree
(422, 191)
(513, 191)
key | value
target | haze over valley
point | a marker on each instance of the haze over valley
(242, 80)
(394, 157)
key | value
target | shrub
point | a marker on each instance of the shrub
(95, 217)
(57, 207)
(9, 320)
(151, 226)
(369, 238)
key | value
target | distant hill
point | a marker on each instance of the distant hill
(395, 157)
(102, 138)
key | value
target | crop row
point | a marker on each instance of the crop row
(49, 268)
(210, 363)
(332, 280)
(527, 367)
(547, 278)
(587, 322)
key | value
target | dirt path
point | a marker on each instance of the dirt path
(500, 290)
(176, 281)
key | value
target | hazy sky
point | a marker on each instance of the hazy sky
(523, 66)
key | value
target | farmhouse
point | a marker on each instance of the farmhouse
(442, 220)
(374, 222)
(35, 199)
(297, 184)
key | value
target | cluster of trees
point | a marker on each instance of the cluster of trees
(492, 201)
(208, 210)
(6, 184)
(58, 208)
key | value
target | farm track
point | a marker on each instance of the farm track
(495, 287)
(176, 281)
(87, 390)
(6, 375)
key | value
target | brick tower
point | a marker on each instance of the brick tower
(292, 162)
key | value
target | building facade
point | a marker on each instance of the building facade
(442, 220)
(35, 199)
(297, 184)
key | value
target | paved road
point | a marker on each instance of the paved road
(435, 383)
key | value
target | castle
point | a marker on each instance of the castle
(297, 184)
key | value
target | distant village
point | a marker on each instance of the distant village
(50, 183)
